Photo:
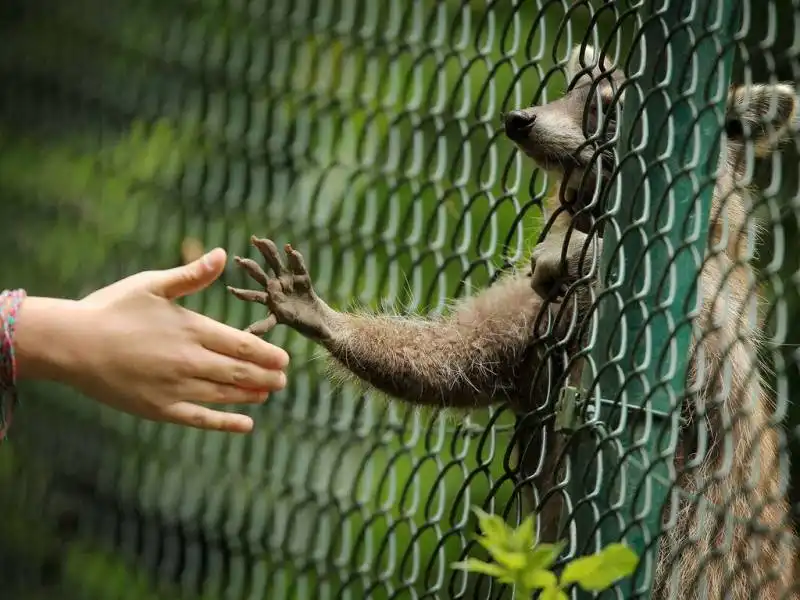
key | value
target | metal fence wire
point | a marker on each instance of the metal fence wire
(636, 380)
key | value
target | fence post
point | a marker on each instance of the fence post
(653, 248)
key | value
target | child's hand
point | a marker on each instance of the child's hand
(129, 346)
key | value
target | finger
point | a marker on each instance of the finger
(269, 251)
(296, 263)
(215, 392)
(187, 279)
(228, 341)
(253, 268)
(200, 417)
(263, 326)
(239, 374)
(249, 295)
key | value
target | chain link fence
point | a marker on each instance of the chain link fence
(369, 135)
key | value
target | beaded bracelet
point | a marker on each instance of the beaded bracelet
(10, 301)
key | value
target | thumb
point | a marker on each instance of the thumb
(188, 279)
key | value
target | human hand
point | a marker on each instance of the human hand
(129, 346)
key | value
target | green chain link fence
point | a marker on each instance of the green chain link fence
(369, 135)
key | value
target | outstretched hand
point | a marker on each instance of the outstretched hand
(131, 347)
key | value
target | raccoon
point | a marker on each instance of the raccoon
(708, 549)
(500, 345)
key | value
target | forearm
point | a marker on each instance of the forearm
(46, 337)
(465, 360)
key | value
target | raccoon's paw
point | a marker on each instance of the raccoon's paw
(289, 295)
(548, 271)
(553, 269)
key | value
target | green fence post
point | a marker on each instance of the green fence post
(652, 252)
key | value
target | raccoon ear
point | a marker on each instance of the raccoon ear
(584, 60)
(762, 114)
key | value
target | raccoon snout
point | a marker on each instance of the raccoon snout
(518, 124)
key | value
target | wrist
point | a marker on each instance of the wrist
(45, 340)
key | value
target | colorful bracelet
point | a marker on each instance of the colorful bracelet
(10, 301)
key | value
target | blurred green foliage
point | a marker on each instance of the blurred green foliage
(78, 205)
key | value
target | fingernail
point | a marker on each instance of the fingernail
(208, 263)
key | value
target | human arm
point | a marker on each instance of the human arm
(130, 346)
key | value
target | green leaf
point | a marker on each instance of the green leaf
(544, 555)
(511, 559)
(554, 593)
(492, 526)
(473, 565)
(537, 580)
(620, 559)
(599, 571)
(524, 536)
(585, 571)
(509, 578)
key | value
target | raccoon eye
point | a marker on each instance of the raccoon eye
(590, 120)
(608, 110)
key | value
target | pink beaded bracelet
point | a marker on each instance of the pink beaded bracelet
(10, 301)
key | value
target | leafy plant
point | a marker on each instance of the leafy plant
(527, 565)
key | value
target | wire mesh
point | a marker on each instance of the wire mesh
(369, 135)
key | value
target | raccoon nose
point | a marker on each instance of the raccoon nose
(518, 123)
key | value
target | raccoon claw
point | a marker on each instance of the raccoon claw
(249, 295)
(269, 251)
(263, 326)
(253, 269)
(297, 266)
(288, 294)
